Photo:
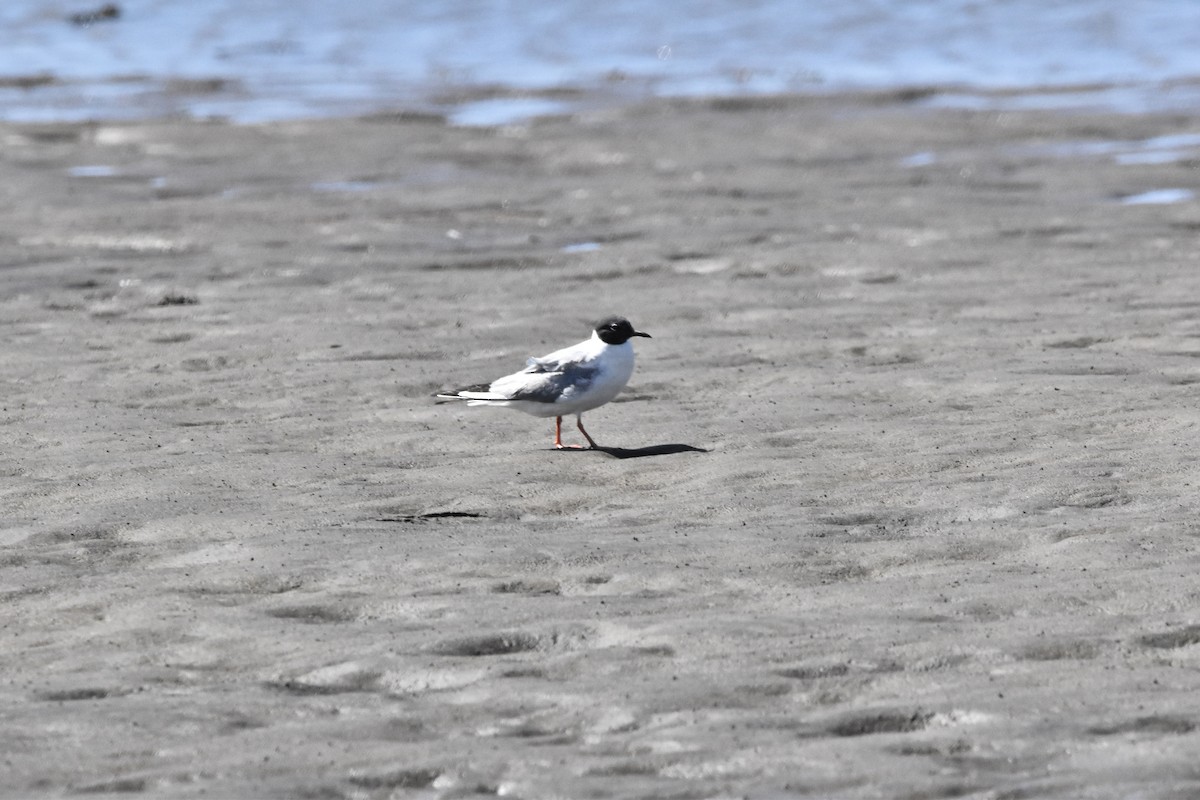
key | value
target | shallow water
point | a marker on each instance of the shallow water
(1159, 197)
(486, 62)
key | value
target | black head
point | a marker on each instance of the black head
(616, 330)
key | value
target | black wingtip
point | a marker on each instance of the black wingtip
(456, 394)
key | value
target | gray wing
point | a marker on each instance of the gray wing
(550, 381)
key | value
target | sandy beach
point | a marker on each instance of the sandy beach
(901, 500)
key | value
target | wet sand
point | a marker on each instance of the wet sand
(900, 502)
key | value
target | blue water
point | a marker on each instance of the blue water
(487, 62)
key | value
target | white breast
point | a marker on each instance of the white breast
(616, 368)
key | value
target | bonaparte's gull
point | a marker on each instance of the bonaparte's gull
(572, 380)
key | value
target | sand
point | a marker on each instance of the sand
(900, 502)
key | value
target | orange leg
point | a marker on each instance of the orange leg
(558, 437)
(579, 424)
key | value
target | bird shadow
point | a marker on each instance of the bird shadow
(639, 452)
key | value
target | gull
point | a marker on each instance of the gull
(572, 380)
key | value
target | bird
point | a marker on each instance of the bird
(572, 380)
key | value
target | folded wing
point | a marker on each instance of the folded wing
(546, 381)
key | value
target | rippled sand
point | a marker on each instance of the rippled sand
(901, 501)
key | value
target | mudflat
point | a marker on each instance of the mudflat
(900, 502)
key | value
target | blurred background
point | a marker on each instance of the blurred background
(484, 62)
